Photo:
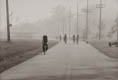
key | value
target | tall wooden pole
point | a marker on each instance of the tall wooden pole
(63, 26)
(77, 18)
(100, 17)
(0, 12)
(117, 32)
(7, 17)
(87, 22)
(70, 22)
(100, 6)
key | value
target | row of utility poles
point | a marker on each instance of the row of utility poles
(70, 22)
(100, 6)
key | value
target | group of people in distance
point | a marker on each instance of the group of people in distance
(75, 38)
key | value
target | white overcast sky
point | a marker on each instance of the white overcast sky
(33, 10)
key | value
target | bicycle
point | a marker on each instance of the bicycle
(45, 48)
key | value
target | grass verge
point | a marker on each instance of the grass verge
(102, 46)
(16, 52)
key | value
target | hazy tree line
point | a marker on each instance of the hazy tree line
(58, 23)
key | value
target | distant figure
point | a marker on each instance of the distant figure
(45, 43)
(77, 38)
(73, 38)
(65, 38)
(110, 44)
(87, 42)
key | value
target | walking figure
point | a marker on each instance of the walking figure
(73, 38)
(77, 38)
(45, 44)
(65, 38)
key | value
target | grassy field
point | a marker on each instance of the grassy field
(102, 46)
(16, 52)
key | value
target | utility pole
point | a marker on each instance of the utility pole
(117, 28)
(70, 22)
(77, 37)
(63, 25)
(0, 12)
(58, 29)
(117, 32)
(8, 25)
(100, 20)
(87, 22)
(77, 18)
(100, 6)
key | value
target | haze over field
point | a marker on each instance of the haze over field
(37, 17)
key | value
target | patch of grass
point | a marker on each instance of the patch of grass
(16, 52)
(103, 46)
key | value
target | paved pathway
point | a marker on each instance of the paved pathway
(66, 62)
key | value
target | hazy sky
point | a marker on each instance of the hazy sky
(33, 10)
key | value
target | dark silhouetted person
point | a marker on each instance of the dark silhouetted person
(45, 43)
(65, 38)
(73, 38)
(77, 40)
(110, 44)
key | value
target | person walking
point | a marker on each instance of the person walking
(45, 43)
(65, 38)
(77, 39)
(73, 38)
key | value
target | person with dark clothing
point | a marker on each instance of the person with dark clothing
(73, 38)
(77, 38)
(45, 43)
(65, 38)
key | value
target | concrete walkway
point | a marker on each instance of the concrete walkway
(66, 62)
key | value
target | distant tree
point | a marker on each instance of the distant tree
(103, 27)
(59, 18)
(113, 29)
(59, 13)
